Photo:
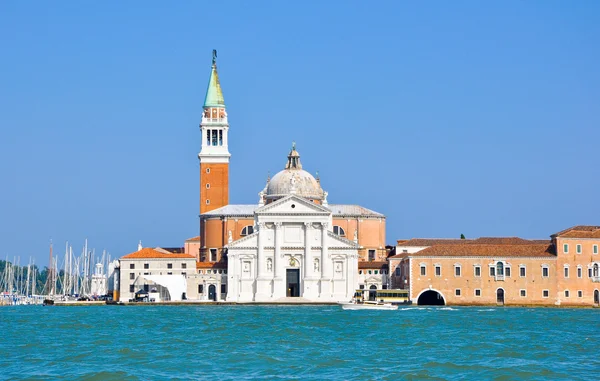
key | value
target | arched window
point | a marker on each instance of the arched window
(596, 269)
(499, 269)
(247, 230)
(339, 231)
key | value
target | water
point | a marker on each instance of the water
(285, 342)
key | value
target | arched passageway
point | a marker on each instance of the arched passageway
(372, 292)
(500, 296)
(596, 297)
(212, 293)
(431, 298)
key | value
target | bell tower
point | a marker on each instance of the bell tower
(214, 154)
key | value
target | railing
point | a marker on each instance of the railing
(499, 278)
(596, 279)
(214, 120)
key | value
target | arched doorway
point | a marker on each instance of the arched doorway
(596, 297)
(212, 293)
(372, 292)
(431, 298)
(500, 296)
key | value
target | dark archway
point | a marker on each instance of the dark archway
(500, 296)
(431, 298)
(212, 293)
(372, 292)
(596, 297)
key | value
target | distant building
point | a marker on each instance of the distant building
(503, 271)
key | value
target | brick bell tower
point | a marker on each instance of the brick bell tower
(214, 154)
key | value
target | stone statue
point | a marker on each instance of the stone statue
(325, 198)
(316, 264)
(246, 267)
(355, 235)
(269, 265)
(229, 237)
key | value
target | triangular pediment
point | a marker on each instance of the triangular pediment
(247, 241)
(293, 205)
(337, 241)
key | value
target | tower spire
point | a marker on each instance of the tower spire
(214, 94)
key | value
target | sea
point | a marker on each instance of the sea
(298, 343)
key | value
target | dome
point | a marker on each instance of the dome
(293, 180)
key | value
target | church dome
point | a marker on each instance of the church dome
(293, 180)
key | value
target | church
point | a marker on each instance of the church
(292, 244)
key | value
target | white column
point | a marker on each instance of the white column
(261, 256)
(277, 251)
(325, 268)
(308, 265)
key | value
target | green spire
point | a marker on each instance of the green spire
(214, 94)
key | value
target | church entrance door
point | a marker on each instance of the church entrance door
(212, 293)
(293, 283)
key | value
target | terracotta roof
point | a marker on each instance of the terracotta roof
(474, 250)
(196, 238)
(505, 241)
(211, 265)
(372, 265)
(174, 250)
(432, 241)
(151, 253)
(581, 231)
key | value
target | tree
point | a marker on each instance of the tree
(462, 236)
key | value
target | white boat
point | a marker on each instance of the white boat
(369, 305)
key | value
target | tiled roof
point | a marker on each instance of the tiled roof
(581, 231)
(151, 253)
(211, 265)
(174, 250)
(336, 209)
(193, 239)
(475, 250)
(372, 265)
(352, 210)
(432, 241)
(505, 241)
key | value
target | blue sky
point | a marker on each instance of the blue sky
(449, 117)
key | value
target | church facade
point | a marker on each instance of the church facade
(292, 243)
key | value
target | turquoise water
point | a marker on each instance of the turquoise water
(284, 342)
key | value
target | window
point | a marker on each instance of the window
(370, 271)
(223, 289)
(492, 271)
(522, 271)
(131, 275)
(500, 268)
(184, 265)
(507, 270)
(595, 249)
(371, 255)
(438, 270)
(247, 230)
(423, 270)
(169, 273)
(200, 289)
(184, 273)
(146, 266)
(362, 286)
(169, 265)
(579, 272)
(566, 272)
(478, 271)
(207, 186)
(523, 293)
(398, 271)
(580, 294)
(477, 292)
(545, 293)
(207, 202)
(566, 293)
(457, 292)
(457, 269)
(589, 273)
(339, 231)
(207, 170)
(132, 266)
(375, 272)
(131, 288)
(566, 248)
(545, 271)
(359, 271)
(213, 255)
(578, 249)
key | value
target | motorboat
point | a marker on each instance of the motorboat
(368, 305)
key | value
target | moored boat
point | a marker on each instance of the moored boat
(369, 305)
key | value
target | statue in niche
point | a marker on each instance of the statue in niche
(246, 267)
(269, 265)
(355, 235)
(293, 262)
(316, 264)
(338, 267)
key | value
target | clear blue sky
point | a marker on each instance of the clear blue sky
(449, 117)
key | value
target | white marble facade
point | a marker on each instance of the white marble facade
(292, 253)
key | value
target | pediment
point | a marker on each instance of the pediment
(293, 205)
(247, 241)
(337, 241)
